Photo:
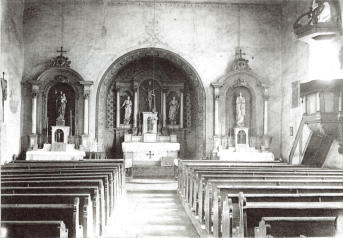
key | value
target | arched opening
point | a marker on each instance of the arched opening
(136, 71)
(52, 106)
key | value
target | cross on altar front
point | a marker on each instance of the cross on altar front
(150, 154)
(61, 51)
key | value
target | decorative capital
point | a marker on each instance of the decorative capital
(240, 63)
(35, 90)
(240, 83)
(61, 78)
(86, 94)
(60, 61)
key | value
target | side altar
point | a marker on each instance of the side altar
(59, 149)
(149, 148)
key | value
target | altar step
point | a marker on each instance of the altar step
(152, 170)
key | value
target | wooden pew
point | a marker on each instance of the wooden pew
(68, 213)
(232, 192)
(120, 175)
(252, 211)
(317, 226)
(187, 186)
(85, 206)
(107, 180)
(197, 188)
(33, 229)
(114, 174)
(71, 163)
(64, 183)
(197, 198)
(108, 196)
(92, 190)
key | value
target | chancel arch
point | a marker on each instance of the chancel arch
(155, 77)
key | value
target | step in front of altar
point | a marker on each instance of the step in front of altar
(149, 170)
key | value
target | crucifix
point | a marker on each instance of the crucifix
(240, 54)
(150, 154)
(61, 51)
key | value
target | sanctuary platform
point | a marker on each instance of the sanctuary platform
(251, 155)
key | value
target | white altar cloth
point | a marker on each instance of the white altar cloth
(246, 156)
(148, 152)
(46, 154)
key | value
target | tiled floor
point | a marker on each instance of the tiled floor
(150, 208)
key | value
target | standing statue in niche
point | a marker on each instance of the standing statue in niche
(61, 103)
(173, 107)
(127, 105)
(240, 110)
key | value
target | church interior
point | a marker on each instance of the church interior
(171, 118)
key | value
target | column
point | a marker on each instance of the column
(265, 111)
(216, 111)
(181, 109)
(304, 104)
(85, 113)
(34, 112)
(340, 101)
(164, 108)
(118, 108)
(318, 102)
(265, 123)
(135, 108)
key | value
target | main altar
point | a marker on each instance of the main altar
(149, 148)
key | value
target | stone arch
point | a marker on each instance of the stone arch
(196, 134)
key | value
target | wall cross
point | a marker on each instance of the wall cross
(61, 51)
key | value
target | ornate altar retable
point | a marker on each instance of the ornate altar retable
(149, 148)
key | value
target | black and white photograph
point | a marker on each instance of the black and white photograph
(171, 118)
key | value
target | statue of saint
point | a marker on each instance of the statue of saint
(173, 107)
(61, 103)
(127, 105)
(240, 110)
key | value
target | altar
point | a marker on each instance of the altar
(150, 147)
(47, 153)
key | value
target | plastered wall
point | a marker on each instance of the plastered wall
(96, 33)
(12, 63)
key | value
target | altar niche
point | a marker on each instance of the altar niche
(159, 81)
(240, 112)
(54, 95)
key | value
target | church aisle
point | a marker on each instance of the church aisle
(151, 208)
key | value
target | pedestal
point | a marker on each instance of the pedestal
(33, 141)
(55, 133)
(241, 138)
(150, 122)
